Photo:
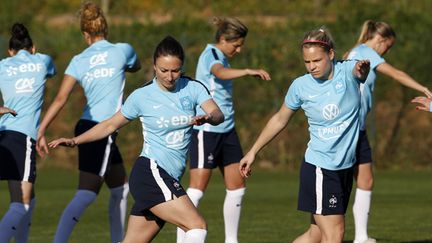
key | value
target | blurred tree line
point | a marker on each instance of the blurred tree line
(399, 134)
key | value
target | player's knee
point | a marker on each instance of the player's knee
(85, 197)
(19, 208)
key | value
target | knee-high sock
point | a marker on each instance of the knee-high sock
(72, 214)
(11, 220)
(195, 236)
(231, 211)
(117, 211)
(24, 226)
(195, 195)
(361, 208)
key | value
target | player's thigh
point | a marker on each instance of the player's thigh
(20, 191)
(199, 178)
(140, 229)
(116, 176)
(232, 177)
(181, 212)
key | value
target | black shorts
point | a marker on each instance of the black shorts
(96, 157)
(17, 157)
(210, 149)
(363, 150)
(151, 185)
(324, 192)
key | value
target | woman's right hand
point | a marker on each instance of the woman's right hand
(260, 73)
(245, 164)
(41, 146)
(68, 142)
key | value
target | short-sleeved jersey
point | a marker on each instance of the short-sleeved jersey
(363, 52)
(220, 90)
(332, 109)
(165, 118)
(100, 70)
(22, 85)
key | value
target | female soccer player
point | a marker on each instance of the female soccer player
(100, 70)
(219, 146)
(166, 108)
(375, 39)
(23, 76)
(329, 95)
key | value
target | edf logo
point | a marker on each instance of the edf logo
(330, 111)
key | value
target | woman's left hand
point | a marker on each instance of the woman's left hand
(361, 69)
(199, 120)
(424, 103)
(68, 142)
(5, 110)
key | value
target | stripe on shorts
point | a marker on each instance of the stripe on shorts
(319, 189)
(200, 149)
(106, 156)
(156, 175)
(27, 161)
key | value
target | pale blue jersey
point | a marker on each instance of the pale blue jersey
(100, 70)
(332, 109)
(22, 86)
(220, 90)
(165, 118)
(363, 52)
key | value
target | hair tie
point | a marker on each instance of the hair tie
(316, 42)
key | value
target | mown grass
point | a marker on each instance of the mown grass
(401, 209)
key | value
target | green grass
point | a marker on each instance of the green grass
(401, 209)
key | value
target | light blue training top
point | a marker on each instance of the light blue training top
(220, 90)
(363, 52)
(165, 118)
(22, 85)
(332, 109)
(100, 70)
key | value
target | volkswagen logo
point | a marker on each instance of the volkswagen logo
(330, 111)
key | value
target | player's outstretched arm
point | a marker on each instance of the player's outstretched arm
(273, 127)
(101, 130)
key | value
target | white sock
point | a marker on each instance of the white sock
(24, 226)
(10, 221)
(195, 236)
(72, 213)
(361, 208)
(195, 195)
(231, 211)
(117, 211)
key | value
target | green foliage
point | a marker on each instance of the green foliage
(276, 29)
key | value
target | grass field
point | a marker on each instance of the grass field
(401, 209)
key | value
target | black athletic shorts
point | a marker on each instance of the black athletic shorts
(210, 149)
(363, 150)
(17, 157)
(324, 192)
(96, 157)
(151, 185)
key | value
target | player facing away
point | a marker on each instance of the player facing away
(219, 146)
(23, 76)
(329, 96)
(100, 70)
(375, 40)
(166, 107)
